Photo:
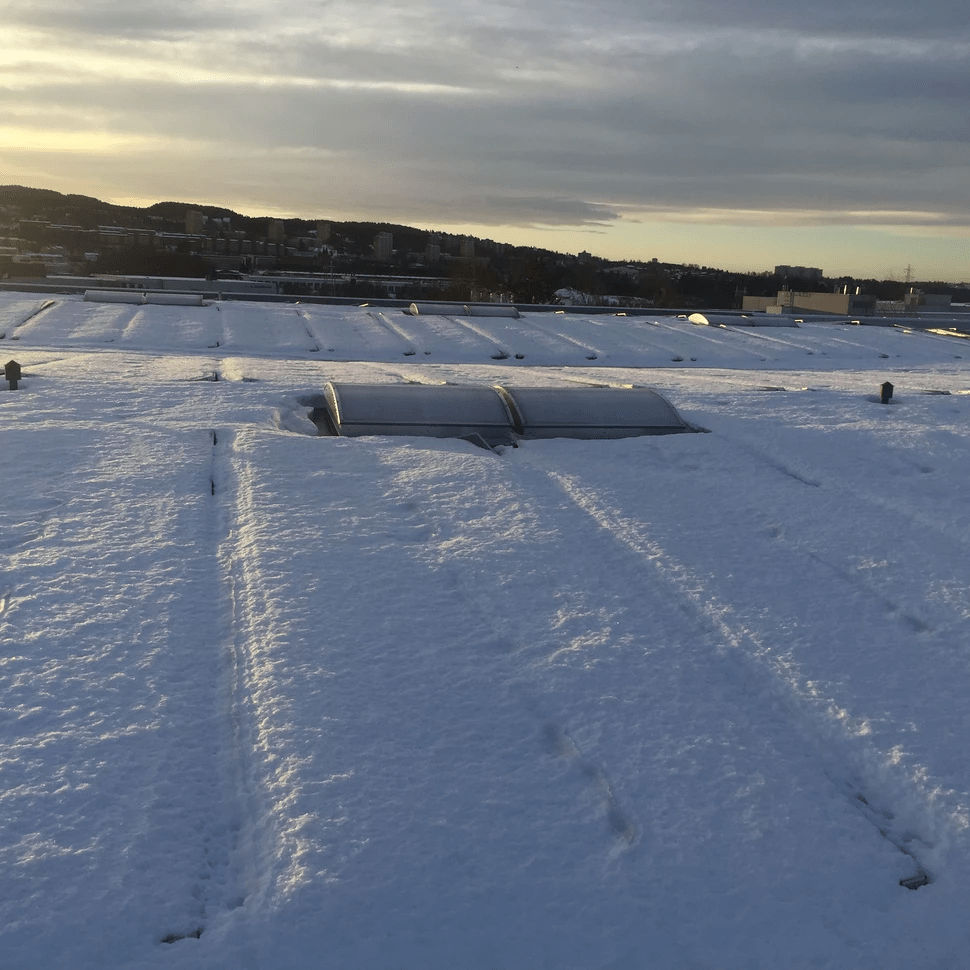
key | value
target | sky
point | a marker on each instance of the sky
(737, 135)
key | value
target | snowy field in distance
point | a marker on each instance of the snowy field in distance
(273, 701)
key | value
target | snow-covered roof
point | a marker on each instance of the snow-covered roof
(277, 700)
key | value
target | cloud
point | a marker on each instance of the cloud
(865, 18)
(541, 211)
(106, 22)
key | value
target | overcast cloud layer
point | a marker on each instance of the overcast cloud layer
(505, 115)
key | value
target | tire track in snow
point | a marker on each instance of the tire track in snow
(218, 882)
(252, 863)
(772, 676)
(214, 813)
(229, 488)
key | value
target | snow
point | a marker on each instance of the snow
(284, 701)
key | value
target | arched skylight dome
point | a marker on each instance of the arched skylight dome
(496, 415)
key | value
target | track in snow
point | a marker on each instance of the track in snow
(751, 673)
(770, 678)
(239, 596)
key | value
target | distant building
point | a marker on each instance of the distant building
(323, 232)
(917, 298)
(195, 222)
(841, 303)
(52, 262)
(276, 232)
(432, 252)
(799, 273)
(630, 271)
(467, 250)
(383, 245)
